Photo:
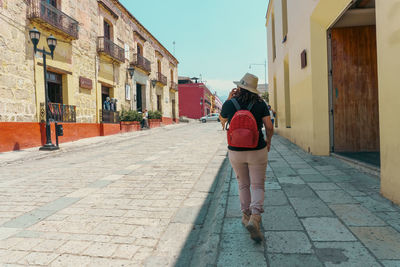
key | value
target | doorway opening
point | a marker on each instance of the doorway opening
(353, 78)
(159, 105)
(105, 92)
(173, 105)
(173, 109)
(54, 87)
(139, 106)
(108, 30)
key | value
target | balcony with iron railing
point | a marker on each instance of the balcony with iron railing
(110, 49)
(141, 62)
(173, 86)
(58, 112)
(161, 78)
(43, 12)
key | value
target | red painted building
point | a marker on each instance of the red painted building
(195, 99)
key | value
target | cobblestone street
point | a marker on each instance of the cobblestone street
(169, 197)
(113, 204)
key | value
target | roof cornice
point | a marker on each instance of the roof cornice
(146, 31)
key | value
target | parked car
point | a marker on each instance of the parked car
(210, 117)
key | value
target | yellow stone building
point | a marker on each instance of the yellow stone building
(332, 75)
(98, 40)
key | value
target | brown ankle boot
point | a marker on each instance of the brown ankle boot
(254, 227)
(245, 219)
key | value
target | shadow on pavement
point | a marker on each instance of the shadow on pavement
(201, 246)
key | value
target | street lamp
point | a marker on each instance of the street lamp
(265, 69)
(34, 34)
(153, 83)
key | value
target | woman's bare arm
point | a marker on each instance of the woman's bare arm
(269, 130)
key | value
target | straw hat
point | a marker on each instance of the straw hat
(249, 82)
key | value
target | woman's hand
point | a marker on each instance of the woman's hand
(269, 146)
(223, 121)
(233, 93)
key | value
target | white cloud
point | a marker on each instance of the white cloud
(222, 87)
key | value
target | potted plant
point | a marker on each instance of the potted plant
(130, 120)
(155, 118)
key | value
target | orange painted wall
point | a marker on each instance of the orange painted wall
(109, 129)
(19, 135)
(22, 135)
(154, 123)
(76, 131)
(129, 126)
(167, 121)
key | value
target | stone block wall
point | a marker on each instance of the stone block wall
(17, 91)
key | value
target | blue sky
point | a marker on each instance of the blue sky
(215, 38)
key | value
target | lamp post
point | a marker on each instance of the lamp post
(265, 69)
(34, 34)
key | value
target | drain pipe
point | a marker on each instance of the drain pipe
(96, 77)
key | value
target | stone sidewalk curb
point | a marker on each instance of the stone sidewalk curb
(15, 157)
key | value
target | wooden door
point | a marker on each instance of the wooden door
(159, 66)
(355, 89)
(173, 109)
(159, 107)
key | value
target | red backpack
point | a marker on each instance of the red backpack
(243, 130)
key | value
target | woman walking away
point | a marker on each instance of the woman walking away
(271, 114)
(246, 114)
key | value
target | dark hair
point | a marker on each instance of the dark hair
(247, 97)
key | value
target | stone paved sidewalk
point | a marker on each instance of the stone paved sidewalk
(319, 211)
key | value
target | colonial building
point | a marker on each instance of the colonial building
(217, 104)
(102, 51)
(195, 98)
(333, 72)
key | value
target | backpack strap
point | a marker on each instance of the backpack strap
(237, 107)
(235, 103)
(250, 106)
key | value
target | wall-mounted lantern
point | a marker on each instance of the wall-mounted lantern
(131, 71)
(303, 59)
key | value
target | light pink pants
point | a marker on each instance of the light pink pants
(250, 168)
